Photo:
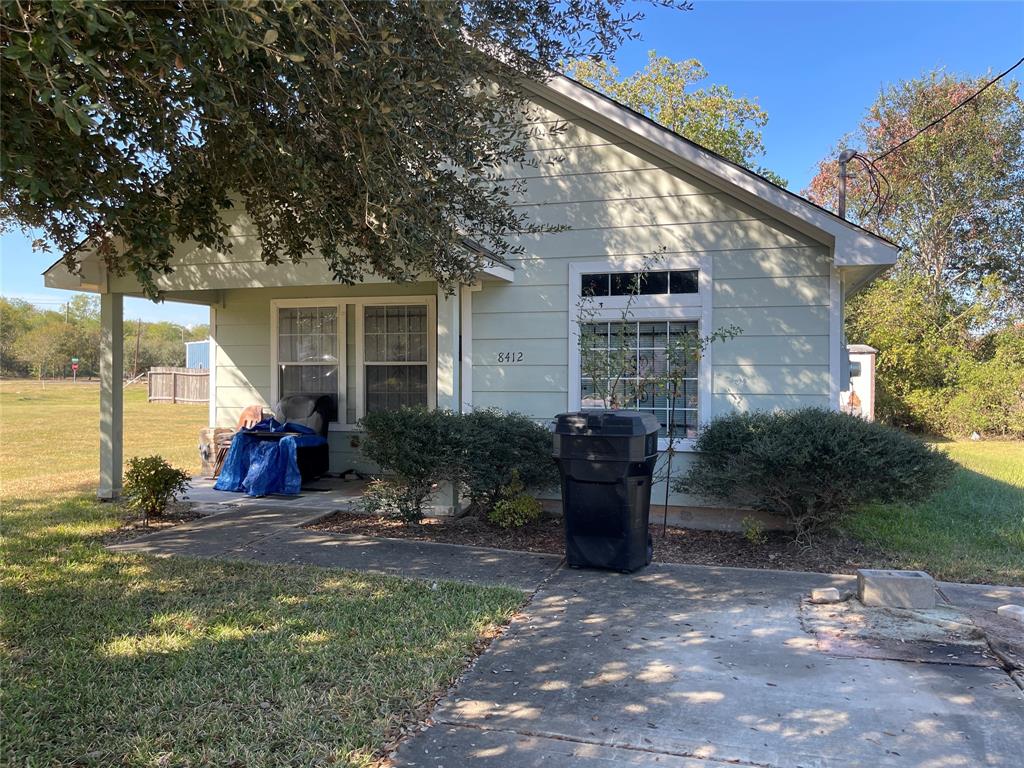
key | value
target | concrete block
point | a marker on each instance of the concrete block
(1011, 612)
(825, 595)
(895, 589)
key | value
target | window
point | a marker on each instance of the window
(367, 354)
(395, 357)
(657, 283)
(307, 352)
(632, 336)
(647, 365)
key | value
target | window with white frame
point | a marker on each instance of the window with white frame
(307, 352)
(367, 354)
(636, 340)
(649, 367)
(395, 358)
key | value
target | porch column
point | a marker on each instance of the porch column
(449, 355)
(111, 394)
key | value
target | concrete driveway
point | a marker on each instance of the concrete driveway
(700, 667)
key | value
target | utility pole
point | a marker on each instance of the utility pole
(844, 158)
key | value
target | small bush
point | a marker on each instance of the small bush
(502, 448)
(387, 498)
(419, 447)
(812, 467)
(753, 531)
(514, 508)
(150, 484)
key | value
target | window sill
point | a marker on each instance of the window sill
(336, 427)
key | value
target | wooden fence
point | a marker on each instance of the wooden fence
(179, 385)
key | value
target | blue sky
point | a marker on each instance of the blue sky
(813, 66)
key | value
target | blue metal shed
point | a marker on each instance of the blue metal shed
(197, 354)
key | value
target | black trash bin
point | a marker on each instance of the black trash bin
(606, 459)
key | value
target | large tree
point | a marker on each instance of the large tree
(957, 190)
(370, 130)
(664, 90)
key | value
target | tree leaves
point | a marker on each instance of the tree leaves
(710, 116)
(368, 133)
(957, 205)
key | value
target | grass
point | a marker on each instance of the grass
(127, 660)
(972, 532)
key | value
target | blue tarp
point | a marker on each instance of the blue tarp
(260, 466)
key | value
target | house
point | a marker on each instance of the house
(735, 250)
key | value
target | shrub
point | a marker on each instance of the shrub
(514, 507)
(811, 466)
(753, 531)
(485, 451)
(388, 498)
(419, 447)
(150, 484)
(502, 448)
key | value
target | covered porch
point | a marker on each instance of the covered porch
(289, 329)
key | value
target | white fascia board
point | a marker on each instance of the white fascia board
(850, 244)
(500, 272)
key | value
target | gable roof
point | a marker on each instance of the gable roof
(853, 246)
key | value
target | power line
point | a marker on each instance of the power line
(937, 120)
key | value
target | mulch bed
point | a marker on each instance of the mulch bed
(826, 554)
(133, 527)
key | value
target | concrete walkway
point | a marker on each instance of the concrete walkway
(704, 667)
(678, 666)
(275, 535)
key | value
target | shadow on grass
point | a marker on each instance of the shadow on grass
(132, 660)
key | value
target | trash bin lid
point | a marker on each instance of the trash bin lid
(606, 423)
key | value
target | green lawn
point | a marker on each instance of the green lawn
(127, 660)
(973, 531)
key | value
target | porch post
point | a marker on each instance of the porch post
(449, 356)
(111, 394)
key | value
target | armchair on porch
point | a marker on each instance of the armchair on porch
(316, 413)
(311, 411)
(280, 453)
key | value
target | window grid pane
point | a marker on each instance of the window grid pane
(307, 335)
(655, 283)
(307, 347)
(644, 350)
(395, 356)
(396, 334)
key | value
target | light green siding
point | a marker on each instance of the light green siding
(615, 201)
(612, 202)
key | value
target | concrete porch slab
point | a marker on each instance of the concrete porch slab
(326, 494)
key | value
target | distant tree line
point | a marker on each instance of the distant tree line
(42, 342)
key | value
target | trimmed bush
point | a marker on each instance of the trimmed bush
(484, 452)
(514, 508)
(150, 484)
(419, 447)
(500, 449)
(811, 466)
